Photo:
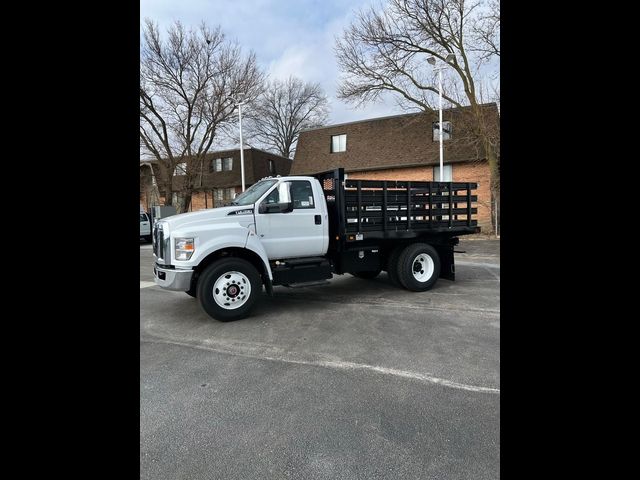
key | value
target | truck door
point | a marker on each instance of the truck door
(299, 233)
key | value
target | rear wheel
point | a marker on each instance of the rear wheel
(419, 267)
(392, 266)
(227, 289)
(367, 275)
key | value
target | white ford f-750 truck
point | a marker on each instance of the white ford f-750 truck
(300, 230)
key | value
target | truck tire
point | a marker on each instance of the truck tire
(367, 275)
(148, 239)
(418, 267)
(392, 266)
(227, 289)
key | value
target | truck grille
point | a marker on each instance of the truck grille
(158, 241)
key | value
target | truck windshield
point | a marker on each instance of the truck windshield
(253, 193)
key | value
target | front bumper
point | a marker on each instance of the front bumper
(172, 279)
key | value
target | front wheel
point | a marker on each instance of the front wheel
(227, 289)
(419, 267)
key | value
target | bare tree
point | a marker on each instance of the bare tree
(186, 87)
(486, 31)
(386, 50)
(283, 111)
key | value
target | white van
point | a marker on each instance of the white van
(145, 226)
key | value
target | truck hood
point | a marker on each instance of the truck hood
(242, 214)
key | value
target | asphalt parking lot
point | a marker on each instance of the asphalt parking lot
(356, 379)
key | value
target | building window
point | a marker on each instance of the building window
(223, 195)
(339, 143)
(446, 131)
(447, 174)
(272, 167)
(221, 165)
(181, 169)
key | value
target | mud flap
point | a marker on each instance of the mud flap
(268, 286)
(447, 265)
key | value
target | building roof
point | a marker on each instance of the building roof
(255, 168)
(219, 153)
(397, 141)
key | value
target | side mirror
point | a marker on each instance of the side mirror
(286, 207)
(275, 207)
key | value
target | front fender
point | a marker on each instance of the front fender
(254, 244)
(218, 237)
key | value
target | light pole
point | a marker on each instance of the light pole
(238, 99)
(432, 61)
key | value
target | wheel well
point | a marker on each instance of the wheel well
(253, 258)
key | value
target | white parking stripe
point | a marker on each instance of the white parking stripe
(147, 284)
(290, 357)
(474, 264)
(491, 273)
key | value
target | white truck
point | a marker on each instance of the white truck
(145, 226)
(300, 230)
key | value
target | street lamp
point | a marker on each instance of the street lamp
(238, 99)
(432, 60)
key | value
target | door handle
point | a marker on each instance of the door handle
(318, 219)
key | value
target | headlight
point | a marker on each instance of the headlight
(184, 248)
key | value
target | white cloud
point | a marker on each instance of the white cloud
(289, 37)
(310, 56)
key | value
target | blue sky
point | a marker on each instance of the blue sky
(289, 37)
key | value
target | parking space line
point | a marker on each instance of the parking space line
(474, 264)
(337, 364)
(147, 284)
(394, 305)
(491, 273)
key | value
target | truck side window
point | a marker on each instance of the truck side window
(302, 194)
(273, 197)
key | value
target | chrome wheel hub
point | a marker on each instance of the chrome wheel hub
(231, 290)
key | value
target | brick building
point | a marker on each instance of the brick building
(219, 178)
(404, 147)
